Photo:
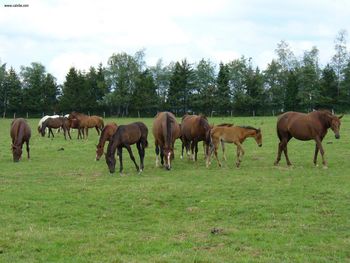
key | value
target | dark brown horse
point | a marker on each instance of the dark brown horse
(86, 122)
(125, 136)
(165, 131)
(305, 127)
(20, 133)
(195, 128)
(75, 124)
(106, 135)
(55, 123)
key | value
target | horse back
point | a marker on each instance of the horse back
(20, 131)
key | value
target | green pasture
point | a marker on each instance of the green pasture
(63, 206)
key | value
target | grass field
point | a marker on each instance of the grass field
(62, 206)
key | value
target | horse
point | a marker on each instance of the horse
(165, 131)
(106, 135)
(125, 136)
(20, 133)
(232, 134)
(195, 128)
(75, 124)
(56, 123)
(87, 122)
(41, 121)
(305, 127)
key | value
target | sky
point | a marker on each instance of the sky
(83, 33)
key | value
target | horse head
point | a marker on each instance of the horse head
(335, 125)
(99, 152)
(16, 152)
(169, 155)
(258, 137)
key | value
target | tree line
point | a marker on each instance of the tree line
(126, 86)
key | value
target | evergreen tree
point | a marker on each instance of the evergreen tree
(328, 88)
(145, 100)
(181, 87)
(274, 85)
(291, 101)
(223, 94)
(14, 88)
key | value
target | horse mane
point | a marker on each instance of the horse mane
(250, 128)
(225, 124)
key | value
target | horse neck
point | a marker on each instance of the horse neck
(325, 119)
(19, 134)
(103, 139)
(247, 133)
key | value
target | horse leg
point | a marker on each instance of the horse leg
(216, 144)
(120, 154)
(141, 154)
(97, 129)
(50, 131)
(162, 156)
(315, 156)
(87, 132)
(193, 145)
(285, 151)
(223, 149)
(279, 153)
(27, 144)
(64, 132)
(196, 151)
(157, 155)
(127, 146)
(240, 153)
(319, 145)
(68, 130)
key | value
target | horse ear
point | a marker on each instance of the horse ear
(341, 116)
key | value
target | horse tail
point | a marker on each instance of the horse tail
(168, 130)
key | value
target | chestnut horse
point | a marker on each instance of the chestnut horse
(20, 134)
(232, 134)
(125, 136)
(106, 135)
(86, 122)
(305, 127)
(60, 122)
(195, 128)
(165, 131)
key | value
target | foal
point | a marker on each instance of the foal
(232, 134)
(106, 135)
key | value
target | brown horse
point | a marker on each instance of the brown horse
(232, 134)
(305, 127)
(165, 131)
(86, 122)
(20, 133)
(55, 123)
(195, 128)
(106, 135)
(75, 124)
(125, 136)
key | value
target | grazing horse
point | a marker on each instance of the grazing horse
(195, 128)
(44, 119)
(305, 127)
(20, 134)
(165, 131)
(125, 136)
(60, 122)
(106, 135)
(232, 134)
(86, 122)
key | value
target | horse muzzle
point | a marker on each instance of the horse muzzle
(337, 136)
(260, 145)
(112, 171)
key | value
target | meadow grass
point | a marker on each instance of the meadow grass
(62, 206)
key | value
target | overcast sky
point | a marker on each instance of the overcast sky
(64, 33)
